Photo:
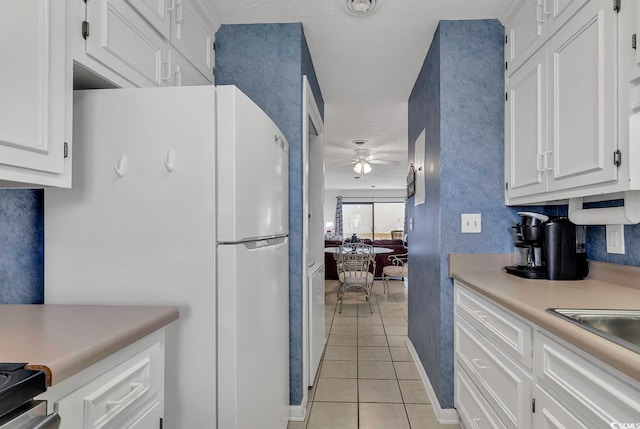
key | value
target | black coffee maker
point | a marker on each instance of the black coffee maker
(552, 249)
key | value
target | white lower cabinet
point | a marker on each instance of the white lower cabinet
(149, 420)
(550, 414)
(125, 390)
(563, 388)
(585, 386)
(474, 411)
(502, 382)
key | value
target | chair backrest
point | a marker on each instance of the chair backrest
(356, 248)
(399, 259)
(355, 264)
(396, 234)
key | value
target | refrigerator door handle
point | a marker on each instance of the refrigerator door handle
(267, 242)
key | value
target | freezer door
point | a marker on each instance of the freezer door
(253, 335)
(253, 170)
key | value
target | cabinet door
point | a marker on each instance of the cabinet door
(550, 414)
(32, 88)
(156, 13)
(526, 128)
(525, 34)
(193, 37)
(183, 73)
(558, 12)
(582, 98)
(122, 40)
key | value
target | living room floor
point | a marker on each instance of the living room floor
(367, 378)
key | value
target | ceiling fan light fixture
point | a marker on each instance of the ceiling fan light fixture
(361, 7)
(362, 167)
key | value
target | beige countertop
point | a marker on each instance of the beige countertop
(531, 298)
(65, 339)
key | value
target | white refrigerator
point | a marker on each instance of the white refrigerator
(180, 197)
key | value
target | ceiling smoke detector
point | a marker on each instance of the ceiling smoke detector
(361, 7)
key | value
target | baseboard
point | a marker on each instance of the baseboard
(445, 416)
(297, 413)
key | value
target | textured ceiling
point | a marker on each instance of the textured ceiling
(366, 68)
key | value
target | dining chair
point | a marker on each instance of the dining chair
(354, 271)
(396, 234)
(398, 268)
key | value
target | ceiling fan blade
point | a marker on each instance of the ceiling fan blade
(384, 162)
(377, 155)
(341, 164)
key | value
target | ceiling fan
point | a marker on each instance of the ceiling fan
(363, 160)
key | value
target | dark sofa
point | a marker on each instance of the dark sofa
(382, 259)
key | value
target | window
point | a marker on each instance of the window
(375, 221)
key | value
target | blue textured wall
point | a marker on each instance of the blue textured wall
(267, 62)
(424, 239)
(21, 247)
(458, 99)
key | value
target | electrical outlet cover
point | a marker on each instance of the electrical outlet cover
(615, 239)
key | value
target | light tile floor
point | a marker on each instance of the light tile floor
(367, 378)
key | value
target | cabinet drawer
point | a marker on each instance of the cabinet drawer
(119, 397)
(505, 386)
(511, 335)
(584, 386)
(474, 411)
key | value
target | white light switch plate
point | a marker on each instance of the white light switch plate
(471, 223)
(615, 239)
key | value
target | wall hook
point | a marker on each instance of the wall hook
(170, 160)
(121, 166)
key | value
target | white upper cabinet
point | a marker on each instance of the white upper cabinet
(183, 73)
(156, 12)
(566, 117)
(120, 38)
(136, 42)
(558, 12)
(582, 107)
(526, 128)
(193, 36)
(526, 33)
(33, 88)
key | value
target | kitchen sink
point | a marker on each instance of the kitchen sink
(619, 326)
